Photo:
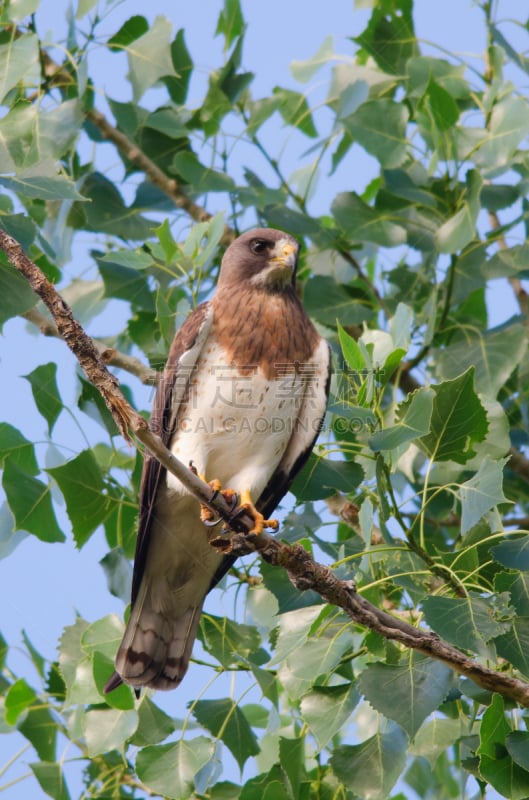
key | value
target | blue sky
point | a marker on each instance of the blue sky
(43, 586)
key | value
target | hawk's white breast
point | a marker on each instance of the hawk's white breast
(234, 427)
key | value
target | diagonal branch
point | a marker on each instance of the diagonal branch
(304, 572)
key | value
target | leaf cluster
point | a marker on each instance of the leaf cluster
(418, 487)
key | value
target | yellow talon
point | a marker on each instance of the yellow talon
(260, 523)
(207, 516)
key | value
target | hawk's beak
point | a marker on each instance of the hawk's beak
(285, 254)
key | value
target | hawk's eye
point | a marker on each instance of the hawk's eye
(258, 246)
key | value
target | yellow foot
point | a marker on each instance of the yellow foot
(207, 516)
(260, 523)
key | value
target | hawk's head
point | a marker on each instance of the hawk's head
(264, 258)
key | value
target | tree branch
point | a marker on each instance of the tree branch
(110, 355)
(304, 572)
(59, 76)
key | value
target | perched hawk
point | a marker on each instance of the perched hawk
(242, 398)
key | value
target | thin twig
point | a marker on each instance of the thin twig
(519, 292)
(304, 572)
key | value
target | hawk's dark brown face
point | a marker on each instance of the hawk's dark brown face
(265, 258)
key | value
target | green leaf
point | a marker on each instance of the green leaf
(225, 720)
(118, 573)
(519, 59)
(294, 629)
(230, 22)
(292, 760)
(517, 744)
(406, 693)
(177, 84)
(514, 645)
(360, 222)
(507, 127)
(468, 622)
(45, 392)
(351, 350)
(131, 30)
(37, 659)
(154, 724)
(227, 640)
(495, 354)
(106, 212)
(92, 404)
(37, 139)
(327, 301)
(390, 37)
(9, 537)
(70, 650)
(16, 295)
(170, 769)
(30, 502)
(134, 260)
(149, 57)
(24, 230)
(76, 667)
(295, 110)
(481, 492)
(19, 60)
(202, 179)
(126, 284)
(303, 71)
(458, 421)
(83, 7)
(413, 421)
(42, 187)
(320, 478)
(495, 763)
(318, 656)
(371, 769)
(401, 326)
(512, 553)
(435, 737)
(267, 786)
(443, 107)
(81, 483)
(20, 451)
(107, 729)
(40, 728)
(121, 698)
(85, 298)
(103, 636)
(326, 708)
(51, 779)
(496, 196)
(460, 229)
(380, 127)
(517, 585)
(421, 70)
(506, 263)
(19, 698)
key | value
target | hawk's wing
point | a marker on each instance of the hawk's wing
(171, 394)
(172, 390)
(299, 448)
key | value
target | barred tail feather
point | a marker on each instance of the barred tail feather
(156, 648)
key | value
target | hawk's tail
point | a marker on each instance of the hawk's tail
(155, 649)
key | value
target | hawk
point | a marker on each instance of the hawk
(242, 399)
